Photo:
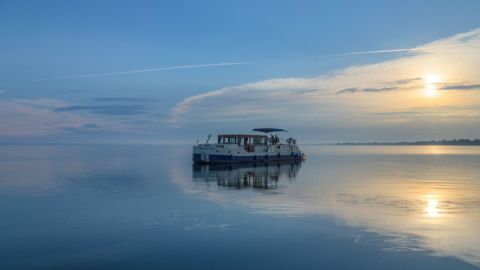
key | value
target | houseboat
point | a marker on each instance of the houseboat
(264, 147)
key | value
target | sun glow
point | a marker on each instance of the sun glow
(432, 208)
(430, 82)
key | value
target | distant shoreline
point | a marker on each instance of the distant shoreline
(460, 142)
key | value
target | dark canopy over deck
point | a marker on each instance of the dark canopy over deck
(267, 130)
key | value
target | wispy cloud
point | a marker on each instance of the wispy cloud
(35, 117)
(365, 89)
(397, 85)
(135, 109)
(85, 128)
(356, 90)
(123, 99)
(462, 87)
(49, 117)
(147, 70)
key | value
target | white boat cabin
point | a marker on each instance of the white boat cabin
(247, 147)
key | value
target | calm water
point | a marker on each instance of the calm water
(147, 207)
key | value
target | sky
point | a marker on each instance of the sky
(176, 71)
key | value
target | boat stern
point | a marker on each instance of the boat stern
(202, 152)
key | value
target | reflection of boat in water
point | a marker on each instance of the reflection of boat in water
(235, 148)
(247, 175)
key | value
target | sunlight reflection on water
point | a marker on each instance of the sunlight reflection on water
(420, 197)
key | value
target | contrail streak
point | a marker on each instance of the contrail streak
(232, 63)
(383, 51)
(147, 70)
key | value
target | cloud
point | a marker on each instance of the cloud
(462, 87)
(33, 117)
(85, 127)
(123, 99)
(348, 97)
(402, 84)
(89, 125)
(80, 76)
(41, 117)
(356, 90)
(107, 109)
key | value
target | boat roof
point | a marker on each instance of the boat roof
(267, 130)
(241, 135)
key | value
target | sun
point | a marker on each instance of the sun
(432, 208)
(432, 79)
(430, 84)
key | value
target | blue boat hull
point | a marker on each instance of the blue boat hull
(236, 159)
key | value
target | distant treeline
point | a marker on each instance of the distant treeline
(442, 142)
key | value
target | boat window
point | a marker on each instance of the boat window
(250, 140)
(232, 140)
(260, 140)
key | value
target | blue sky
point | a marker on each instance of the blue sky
(45, 42)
